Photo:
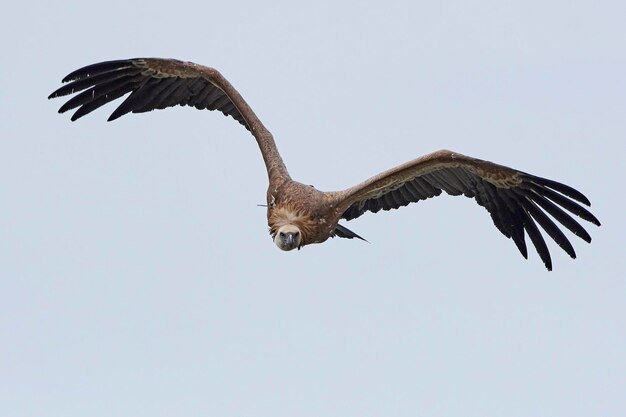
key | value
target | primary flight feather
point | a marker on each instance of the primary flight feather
(299, 214)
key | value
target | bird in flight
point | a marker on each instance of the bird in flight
(299, 214)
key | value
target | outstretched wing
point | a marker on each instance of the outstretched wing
(156, 83)
(516, 201)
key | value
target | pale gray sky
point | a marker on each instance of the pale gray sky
(137, 277)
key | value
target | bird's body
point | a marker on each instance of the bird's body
(309, 209)
(299, 214)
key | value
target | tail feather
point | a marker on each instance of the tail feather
(341, 231)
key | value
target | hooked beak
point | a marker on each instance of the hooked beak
(290, 239)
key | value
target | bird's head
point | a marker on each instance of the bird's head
(288, 237)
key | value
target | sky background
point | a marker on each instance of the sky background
(137, 276)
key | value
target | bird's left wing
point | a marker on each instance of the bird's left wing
(516, 201)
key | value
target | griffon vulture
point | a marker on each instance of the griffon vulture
(298, 214)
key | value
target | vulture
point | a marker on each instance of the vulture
(299, 214)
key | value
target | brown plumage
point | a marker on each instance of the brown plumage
(299, 214)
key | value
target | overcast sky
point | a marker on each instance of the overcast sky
(137, 276)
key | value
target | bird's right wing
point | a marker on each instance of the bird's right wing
(156, 83)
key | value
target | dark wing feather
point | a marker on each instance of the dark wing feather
(516, 201)
(154, 83)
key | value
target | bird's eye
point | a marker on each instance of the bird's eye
(296, 234)
(282, 234)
